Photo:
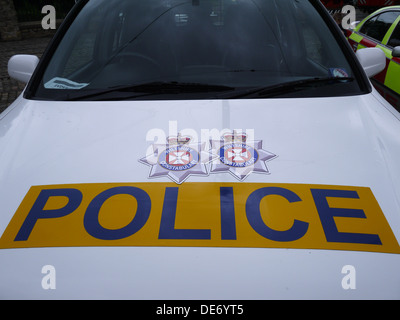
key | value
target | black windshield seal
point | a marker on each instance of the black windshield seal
(304, 88)
(144, 90)
(292, 88)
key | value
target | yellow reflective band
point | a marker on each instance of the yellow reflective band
(388, 53)
(252, 215)
(360, 46)
(388, 34)
(356, 37)
(392, 76)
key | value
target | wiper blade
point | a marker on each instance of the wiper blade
(287, 87)
(145, 89)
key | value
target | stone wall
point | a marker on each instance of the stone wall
(34, 29)
(9, 28)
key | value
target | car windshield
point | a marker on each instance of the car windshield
(183, 49)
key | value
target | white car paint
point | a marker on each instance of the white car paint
(344, 141)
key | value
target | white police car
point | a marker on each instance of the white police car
(199, 149)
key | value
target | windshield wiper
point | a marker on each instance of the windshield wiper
(146, 89)
(288, 87)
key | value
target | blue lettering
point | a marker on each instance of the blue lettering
(91, 219)
(167, 225)
(298, 229)
(327, 215)
(228, 223)
(38, 212)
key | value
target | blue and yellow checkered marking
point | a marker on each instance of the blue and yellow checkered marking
(254, 215)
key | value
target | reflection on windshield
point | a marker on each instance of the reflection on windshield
(235, 43)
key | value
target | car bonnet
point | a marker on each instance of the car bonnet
(199, 199)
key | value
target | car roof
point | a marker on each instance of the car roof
(379, 11)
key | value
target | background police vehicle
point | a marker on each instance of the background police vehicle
(382, 30)
(363, 5)
(199, 149)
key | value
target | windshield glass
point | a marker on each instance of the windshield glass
(179, 49)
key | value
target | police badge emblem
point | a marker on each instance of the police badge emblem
(178, 159)
(238, 156)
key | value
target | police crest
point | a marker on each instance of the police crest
(177, 159)
(235, 154)
(180, 158)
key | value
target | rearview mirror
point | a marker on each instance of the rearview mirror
(373, 60)
(21, 66)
